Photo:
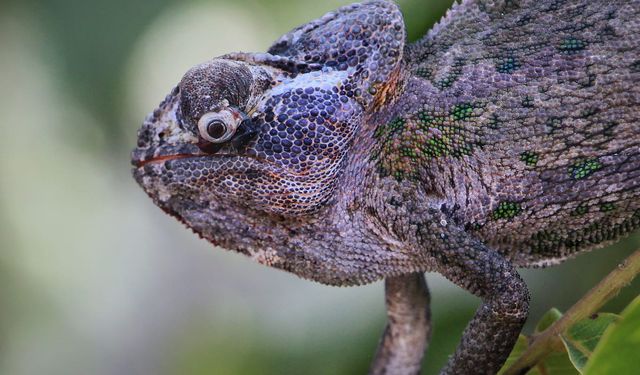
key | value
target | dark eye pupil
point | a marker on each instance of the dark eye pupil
(216, 129)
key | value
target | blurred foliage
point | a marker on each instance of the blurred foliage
(601, 344)
(90, 41)
(93, 279)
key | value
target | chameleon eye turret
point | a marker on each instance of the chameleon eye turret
(506, 137)
(219, 127)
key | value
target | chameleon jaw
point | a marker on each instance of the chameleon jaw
(160, 159)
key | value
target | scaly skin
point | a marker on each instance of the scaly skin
(507, 137)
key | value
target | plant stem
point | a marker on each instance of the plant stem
(542, 343)
(408, 327)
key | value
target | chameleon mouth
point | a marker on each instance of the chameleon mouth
(161, 159)
(143, 156)
(140, 158)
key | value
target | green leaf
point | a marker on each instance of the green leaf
(556, 363)
(548, 319)
(619, 347)
(582, 338)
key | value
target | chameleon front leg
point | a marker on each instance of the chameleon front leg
(408, 329)
(493, 331)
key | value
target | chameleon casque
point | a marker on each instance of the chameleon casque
(508, 136)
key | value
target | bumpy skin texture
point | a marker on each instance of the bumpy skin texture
(508, 136)
(527, 129)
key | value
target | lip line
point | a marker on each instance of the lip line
(162, 158)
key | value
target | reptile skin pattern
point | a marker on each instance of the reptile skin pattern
(508, 136)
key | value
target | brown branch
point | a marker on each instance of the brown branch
(542, 343)
(408, 327)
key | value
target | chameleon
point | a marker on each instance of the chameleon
(507, 137)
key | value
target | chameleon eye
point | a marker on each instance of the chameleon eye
(216, 127)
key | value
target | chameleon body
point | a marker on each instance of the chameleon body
(508, 136)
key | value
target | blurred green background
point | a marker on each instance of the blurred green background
(94, 279)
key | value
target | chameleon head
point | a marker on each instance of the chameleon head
(249, 138)
(248, 135)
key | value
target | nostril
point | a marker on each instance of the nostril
(145, 136)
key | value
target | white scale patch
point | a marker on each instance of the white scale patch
(173, 132)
